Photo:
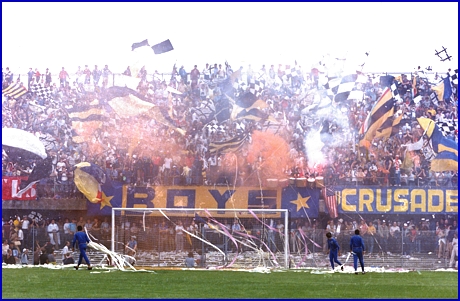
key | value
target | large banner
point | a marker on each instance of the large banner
(300, 201)
(10, 188)
(397, 200)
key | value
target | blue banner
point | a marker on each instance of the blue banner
(301, 202)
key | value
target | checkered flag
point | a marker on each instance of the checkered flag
(395, 92)
(212, 128)
(256, 87)
(289, 73)
(453, 77)
(447, 127)
(240, 87)
(240, 127)
(339, 89)
(42, 92)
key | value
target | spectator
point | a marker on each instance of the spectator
(53, 233)
(194, 76)
(87, 74)
(68, 259)
(25, 257)
(78, 74)
(30, 77)
(183, 74)
(179, 237)
(25, 224)
(127, 72)
(105, 229)
(131, 247)
(96, 75)
(105, 76)
(63, 77)
(190, 261)
(5, 247)
(9, 258)
(8, 76)
(454, 256)
(47, 78)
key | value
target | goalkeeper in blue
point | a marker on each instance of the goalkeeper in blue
(357, 248)
(333, 247)
(82, 239)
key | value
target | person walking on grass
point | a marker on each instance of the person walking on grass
(357, 248)
(333, 247)
(82, 239)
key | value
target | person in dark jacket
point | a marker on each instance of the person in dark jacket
(82, 239)
(333, 247)
(357, 248)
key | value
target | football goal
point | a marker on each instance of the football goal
(216, 238)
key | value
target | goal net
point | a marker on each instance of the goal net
(216, 238)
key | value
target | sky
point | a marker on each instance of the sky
(398, 37)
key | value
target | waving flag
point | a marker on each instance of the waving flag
(140, 44)
(14, 90)
(91, 180)
(447, 127)
(129, 103)
(21, 146)
(446, 150)
(231, 145)
(443, 90)
(42, 92)
(162, 47)
(390, 127)
(249, 107)
(331, 201)
(85, 120)
(340, 89)
(382, 110)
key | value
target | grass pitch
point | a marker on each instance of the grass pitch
(39, 283)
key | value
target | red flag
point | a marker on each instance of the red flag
(331, 201)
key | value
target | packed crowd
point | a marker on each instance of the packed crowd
(166, 157)
(381, 237)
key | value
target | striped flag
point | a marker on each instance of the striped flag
(381, 112)
(390, 127)
(329, 196)
(86, 120)
(232, 145)
(14, 90)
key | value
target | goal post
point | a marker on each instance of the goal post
(233, 238)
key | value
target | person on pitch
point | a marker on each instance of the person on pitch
(357, 248)
(82, 239)
(333, 247)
